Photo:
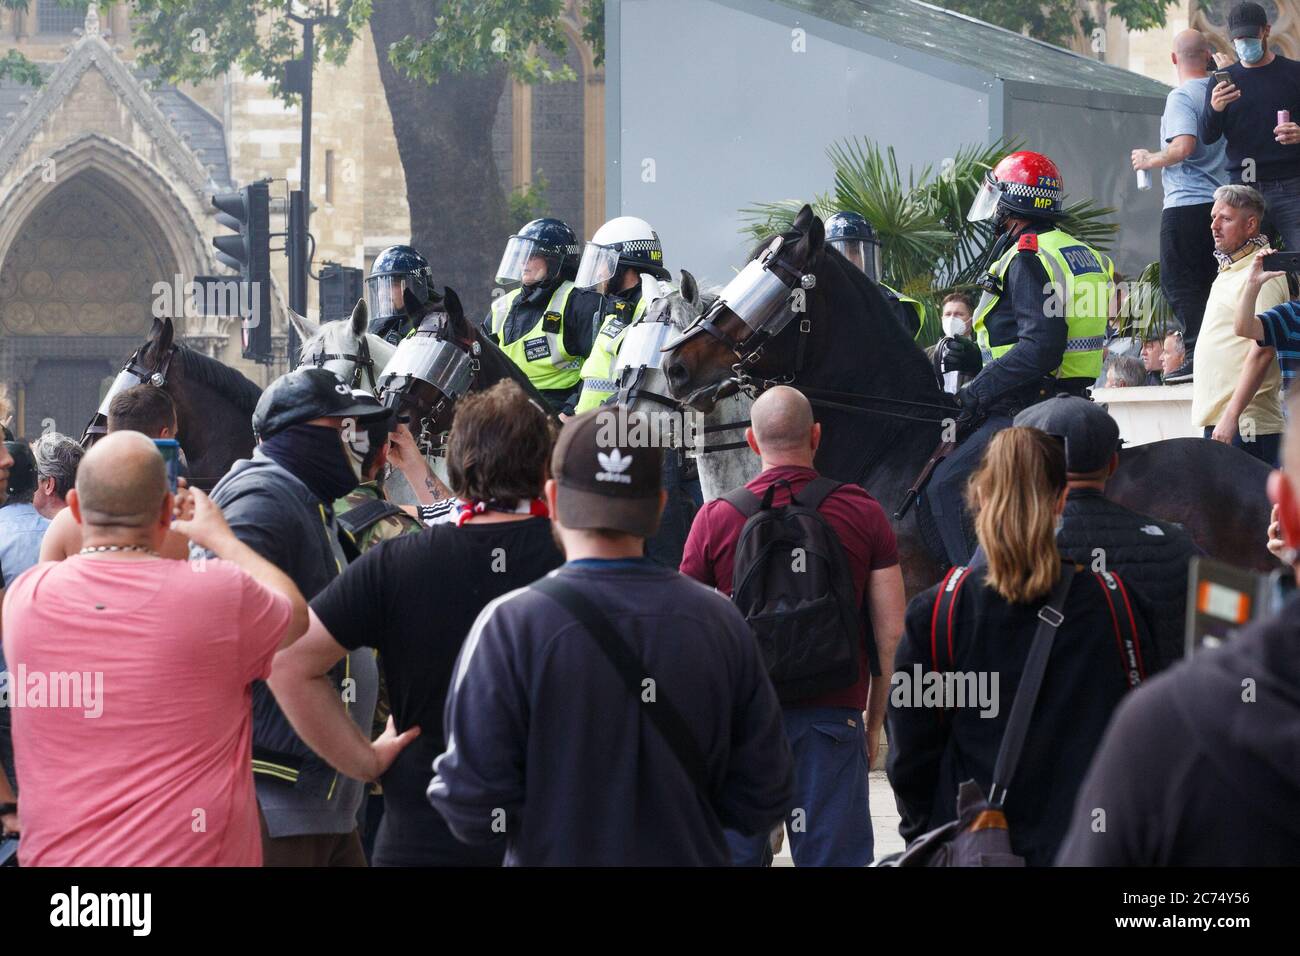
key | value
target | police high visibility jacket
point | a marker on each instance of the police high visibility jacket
(918, 319)
(540, 351)
(1045, 326)
(598, 371)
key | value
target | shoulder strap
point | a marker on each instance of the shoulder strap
(357, 519)
(816, 491)
(669, 721)
(1050, 617)
(744, 501)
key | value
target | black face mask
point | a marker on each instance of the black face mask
(313, 454)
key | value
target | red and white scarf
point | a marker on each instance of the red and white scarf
(469, 510)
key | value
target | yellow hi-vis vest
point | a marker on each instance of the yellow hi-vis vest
(539, 352)
(598, 371)
(908, 300)
(1081, 280)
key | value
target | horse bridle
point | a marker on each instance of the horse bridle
(362, 363)
(424, 439)
(98, 426)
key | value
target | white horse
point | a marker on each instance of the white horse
(724, 460)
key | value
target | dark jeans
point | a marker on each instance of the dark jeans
(1282, 217)
(1187, 266)
(947, 488)
(1267, 448)
(684, 499)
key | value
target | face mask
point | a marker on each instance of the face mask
(953, 326)
(313, 454)
(1249, 49)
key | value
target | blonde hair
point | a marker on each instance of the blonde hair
(1013, 494)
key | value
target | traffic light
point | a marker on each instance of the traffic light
(340, 287)
(249, 254)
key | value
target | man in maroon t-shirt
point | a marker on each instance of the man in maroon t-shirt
(830, 824)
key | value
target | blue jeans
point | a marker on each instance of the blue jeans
(830, 824)
(1267, 448)
(1282, 199)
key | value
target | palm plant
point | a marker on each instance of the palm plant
(927, 246)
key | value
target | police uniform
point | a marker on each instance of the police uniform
(1040, 325)
(547, 331)
(911, 312)
(598, 385)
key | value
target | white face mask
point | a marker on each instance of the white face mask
(953, 325)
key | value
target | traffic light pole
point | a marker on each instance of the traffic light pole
(299, 260)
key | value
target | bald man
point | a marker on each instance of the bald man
(1192, 171)
(145, 667)
(825, 732)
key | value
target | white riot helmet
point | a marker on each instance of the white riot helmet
(625, 241)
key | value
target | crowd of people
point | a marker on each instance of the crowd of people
(294, 671)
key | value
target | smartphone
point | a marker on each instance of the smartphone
(171, 452)
(1282, 262)
(1221, 76)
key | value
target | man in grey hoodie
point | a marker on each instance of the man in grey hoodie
(281, 504)
(1198, 768)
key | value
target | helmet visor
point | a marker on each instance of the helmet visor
(384, 294)
(528, 262)
(863, 253)
(985, 203)
(599, 263)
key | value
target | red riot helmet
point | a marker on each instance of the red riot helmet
(1024, 184)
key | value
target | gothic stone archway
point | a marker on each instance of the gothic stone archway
(76, 297)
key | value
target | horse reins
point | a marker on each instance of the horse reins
(361, 362)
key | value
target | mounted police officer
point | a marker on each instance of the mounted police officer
(857, 240)
(1039, 324)
(612, 264)
(546, 326)
(394, 271)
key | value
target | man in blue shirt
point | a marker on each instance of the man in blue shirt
(1276, 328)
(1190, 172)
(21, 525)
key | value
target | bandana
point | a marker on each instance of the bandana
(467, 511)
(1225, 260)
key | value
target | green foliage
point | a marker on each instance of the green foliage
(194, 40)
(14, 66)
(529, 202)
(927, 246)
(1056, 21)
(1145, 306)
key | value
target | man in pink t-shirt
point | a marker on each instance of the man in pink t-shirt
(825, 733)
(131, 673)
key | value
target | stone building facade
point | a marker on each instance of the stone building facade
(106, 179)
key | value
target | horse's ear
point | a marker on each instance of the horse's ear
(816, 235)
(690, 289)
(165, 335)
(455, 312)
(804, 220)
(304, 326)
(360, 318)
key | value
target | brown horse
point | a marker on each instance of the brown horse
(882, 411)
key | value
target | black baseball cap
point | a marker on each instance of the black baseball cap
(1246, 20)
(605, 481)
(307, 393)
(1090, 434)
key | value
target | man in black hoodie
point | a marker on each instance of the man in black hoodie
(1199, 767)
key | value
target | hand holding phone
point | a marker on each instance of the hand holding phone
(1224, 91)
(1281, 262)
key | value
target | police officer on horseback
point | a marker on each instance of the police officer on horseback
(396, 270)
(857, 240)
(612, 264)
(1038, 326)
(546, 326)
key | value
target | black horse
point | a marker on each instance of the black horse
(214, 403)
(432, 409)
(883, 412)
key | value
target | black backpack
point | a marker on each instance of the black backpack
(792, 582)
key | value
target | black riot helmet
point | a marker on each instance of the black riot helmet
(396, 270)
(855, 239)
(548, 240)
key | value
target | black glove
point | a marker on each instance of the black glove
(969, 417)
(961, 355)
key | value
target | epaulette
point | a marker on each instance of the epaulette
(1028, 242)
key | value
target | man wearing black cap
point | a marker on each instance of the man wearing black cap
(615, 712)
(1103, 535)
(281, 504)
(1263, 146)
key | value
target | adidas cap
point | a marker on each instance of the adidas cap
(606, 479)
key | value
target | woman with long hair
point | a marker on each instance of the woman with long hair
(964, 648)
